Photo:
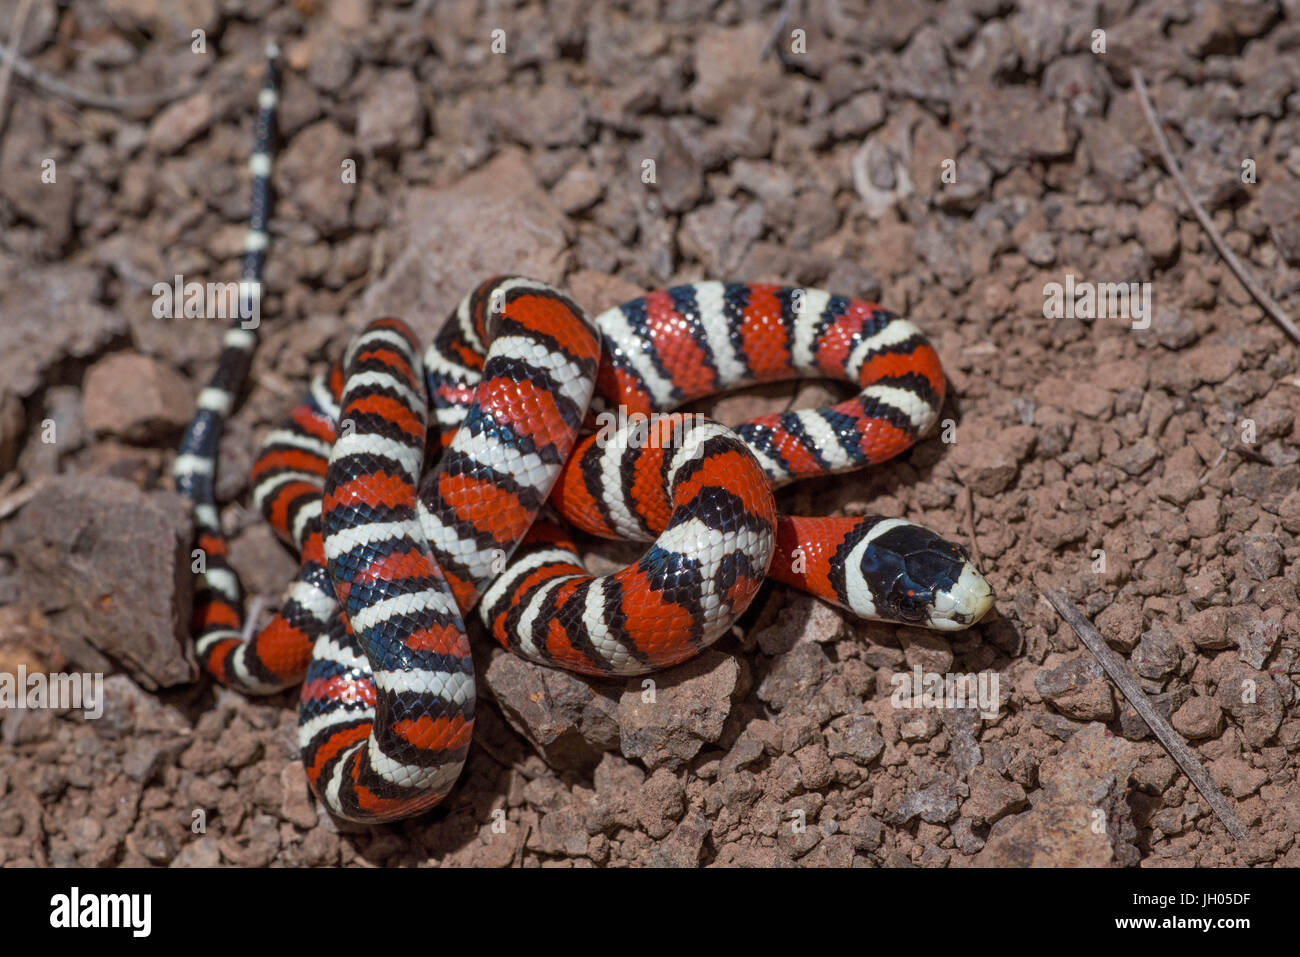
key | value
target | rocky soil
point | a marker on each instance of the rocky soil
(952, 160)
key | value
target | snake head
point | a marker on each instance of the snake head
(912, 576)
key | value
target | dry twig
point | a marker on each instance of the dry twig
(1167, 736)
(970, 526)
(98, 101)
(14, 497)
(782, 18)
(522, 848)
(1238, 268)
(15, 37)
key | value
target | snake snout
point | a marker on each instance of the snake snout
(963, 604)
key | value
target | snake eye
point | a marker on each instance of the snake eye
(910, 608)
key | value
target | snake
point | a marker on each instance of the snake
(424, 487)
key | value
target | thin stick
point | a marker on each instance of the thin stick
(782, 18)
(15, 38)
(1239, 269)
(1172, 741)
(1223, 454)
(970, 526)
(12, 501)
(522, 849)
(250, 620)
(97, 101)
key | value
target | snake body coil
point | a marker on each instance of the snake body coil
(394, 556)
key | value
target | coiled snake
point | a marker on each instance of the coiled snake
(394, 556)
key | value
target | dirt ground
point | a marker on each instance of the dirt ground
(953, 161)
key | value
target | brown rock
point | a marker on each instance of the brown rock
(48, 315)
(664, 719)
(1078, 689)
(1261, 556)
(802, 618)
(1157, 655)
(555, 115)
(327, 57)
(795, 676)
(577, 189)
(1204, 517)
(1013, 124)
(1213, 362)
(205, 852)
(727, 67)
(1238, 776)
(992, 796)
(569, 719)
(560, 831)
(721, 233)
(1070, 395)
(1217, 627)
(265, 565)
(1110, 152)
(1252, 698)
(180, 122)
(312, 166)
(1280, 204)
(163, 19)
(1157, 228)
(660, 802)
(1200, 717)
(682, 848)
(1289, 512)
(937, 801)
(1137, 458)
(296, 804)
(854, 736)
(596, 291)
(495, 220)
(1121, 624)
(391, 117)
(925, 649)
(923, 72)
(25, 640)
(859, 116)
(1121, 375)
(1268, 485)
(986, 468)
(815, 770)
(1081, 818)
(1181, 481)
(110, 564)
(136, 398)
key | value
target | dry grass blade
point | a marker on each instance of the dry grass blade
(968, 502)
(782, 18)
(98, 101)
(1238, 268)
(13, 498)
(15, 38)
(1172, 741)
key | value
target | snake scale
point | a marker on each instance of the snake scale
(420, 486)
